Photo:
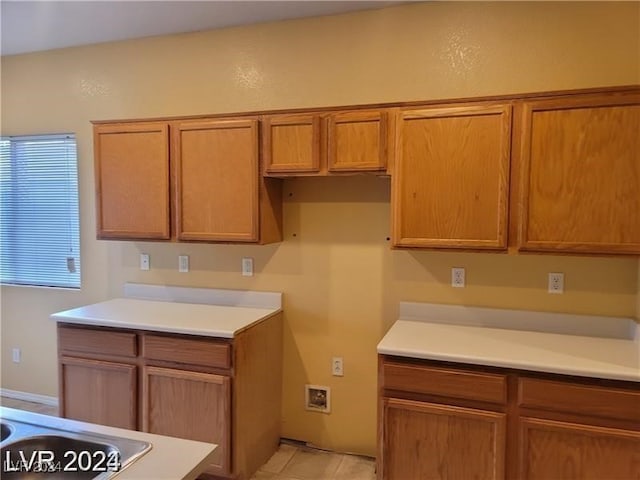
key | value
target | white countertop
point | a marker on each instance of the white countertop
(611, 357)
(160, 316)
(169, 458)
(193, 311)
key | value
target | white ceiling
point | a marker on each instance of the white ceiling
(30, 26)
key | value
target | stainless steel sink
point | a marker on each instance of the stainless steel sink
(29, 451)
(5, 431)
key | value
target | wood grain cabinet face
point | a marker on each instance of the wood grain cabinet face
(132, 181)
(322, 144)
(580, 171)
(423, 440)
(291, 143)
(357, 141)
(541, 427)
(551, 449)
(190, 405)
(215, 390)
(98, 391)
(450, 177)
(216, 166)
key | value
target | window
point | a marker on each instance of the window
(39, 223)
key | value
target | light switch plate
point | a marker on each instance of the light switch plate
(183, 263)
(144, 261)
(247, 267)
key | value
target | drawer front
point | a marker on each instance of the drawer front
(485, 387)
(207, 353)
(102, 342)
(593, 400)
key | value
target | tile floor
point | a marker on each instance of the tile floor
(290, 462)
(293, 462)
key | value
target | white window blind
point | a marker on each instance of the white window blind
(39, 224)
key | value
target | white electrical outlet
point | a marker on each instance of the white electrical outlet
(247, 267)
(457, 277)
(183, 263)
(16, 355)
(337, 367)
(556, 283)
(144, 261)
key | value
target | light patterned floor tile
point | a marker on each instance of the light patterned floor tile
(310, 464)
(279, 459)
(260, 475)
(354, 467)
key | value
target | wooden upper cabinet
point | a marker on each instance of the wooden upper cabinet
(216, 171)
(320, 144)
(580, 174)
(132, 180)
(291, 143)
(451, 176)
(357, 141)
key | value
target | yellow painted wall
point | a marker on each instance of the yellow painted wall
(342, 282)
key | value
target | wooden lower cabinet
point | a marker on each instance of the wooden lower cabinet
(445, 421)
(215, 390)
(442, 442)
(191, 405)
(561, 450)
(99, 392)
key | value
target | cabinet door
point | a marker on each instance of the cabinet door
(190, 405)
(100, 392)
(450, 178)
(429, 441)
(291, 143)
(217, 180)
(132, 181)
(581, 174)
(357, 141)
(558, 450)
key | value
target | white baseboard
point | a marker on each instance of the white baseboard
(29, 397)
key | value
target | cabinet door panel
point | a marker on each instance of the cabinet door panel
(190, 405)
(581, 175)
(450, 180)
(99, 392)
(291, 143)
(558, 450)
(217, 180)
(132, 180)
(429, 441)
(357, 141)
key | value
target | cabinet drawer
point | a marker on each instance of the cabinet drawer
(485, 387)
(103, 342)
(196, 351)
(591, 400)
